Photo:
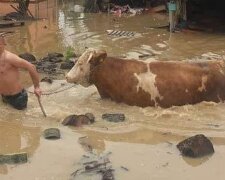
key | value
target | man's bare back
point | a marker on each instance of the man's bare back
(9, 75)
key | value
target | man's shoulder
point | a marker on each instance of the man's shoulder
(10, 54)
(11, 57)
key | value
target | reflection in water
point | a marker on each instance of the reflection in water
(97, 139)
(196, 162)
(16, 138)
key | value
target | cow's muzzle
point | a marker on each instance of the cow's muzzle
(68, 79)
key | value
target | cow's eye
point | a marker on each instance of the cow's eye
(80, 64)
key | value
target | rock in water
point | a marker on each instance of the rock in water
(27, 56)
(196, 146)
(52, 133)
(114, 117)
(78, 120)
(13, 158)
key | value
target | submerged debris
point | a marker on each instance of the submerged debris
(120, 33)
(114, 117)
(53, 64)
(13, 158)
(47, 79)
(86, 144)
(52, 133)
(67, 65)
(93, 166)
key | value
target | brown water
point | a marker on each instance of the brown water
(145, 142)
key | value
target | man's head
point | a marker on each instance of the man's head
(2, 43)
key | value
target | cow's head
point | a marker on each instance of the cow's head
(80, 73)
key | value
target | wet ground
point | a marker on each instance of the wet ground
(145, 143)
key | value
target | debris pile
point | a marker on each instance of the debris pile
(52, 64)
(123, 7)
(93, 166)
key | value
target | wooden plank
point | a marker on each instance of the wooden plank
(11, 23)
(31, 2)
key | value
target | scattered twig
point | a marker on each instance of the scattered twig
(124, 168)
(75, 172)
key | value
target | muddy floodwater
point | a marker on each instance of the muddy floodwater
(145, 143)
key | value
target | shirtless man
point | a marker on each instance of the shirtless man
(11, 89)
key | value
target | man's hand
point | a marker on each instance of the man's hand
(37, 91)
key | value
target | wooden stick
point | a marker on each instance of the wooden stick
(42, 109)
(30, 13)
(17, 10)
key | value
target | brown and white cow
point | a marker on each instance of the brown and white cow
(156, 83)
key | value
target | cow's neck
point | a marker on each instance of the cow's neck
(93, 70)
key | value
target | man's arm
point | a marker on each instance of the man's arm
(21, 63)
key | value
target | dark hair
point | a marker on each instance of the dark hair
(2, 38)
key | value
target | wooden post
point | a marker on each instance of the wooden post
(35, 4)
(171, 18)
(185, 10)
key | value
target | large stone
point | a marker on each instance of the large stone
(52, 133)
(117, 117)
(27, 56)
(67, 65)
(196, 146)
(13, 158)
(78, 120)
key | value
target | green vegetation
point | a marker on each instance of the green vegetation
(69, 53)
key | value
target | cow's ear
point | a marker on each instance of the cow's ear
(98, 57)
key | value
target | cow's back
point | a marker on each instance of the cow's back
(188, 83)
(159, 83)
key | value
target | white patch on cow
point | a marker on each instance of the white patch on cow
(220, 99)
(186, 90)
(203, 85)
(221, 67)
(211, 56)
(151, 59)
(221, 71)
(147, 82)
(161, 45)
